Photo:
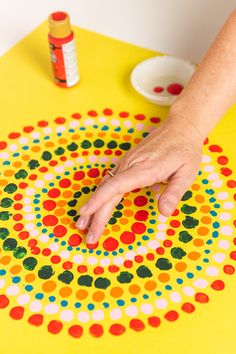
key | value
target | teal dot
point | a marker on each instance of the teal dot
(120, 302)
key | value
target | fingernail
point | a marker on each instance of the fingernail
(89, 238)
(167, 208)
(80, 222)
(84, 209)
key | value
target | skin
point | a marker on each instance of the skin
(172, 152)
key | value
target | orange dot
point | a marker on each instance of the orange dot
(97, 181)
(29, 278)
(164, 277)
(198, 242)
(8, 173)
(49, 286)
(127, 202)
(65, 291)
(35, 148)
(67, 194)
(81, 294)
(59, 212)
(101, 134)
(128, 212)
(124, 221)
(150, 285)
(194, 255)
(180, 266)
(115, 136)
(203, 231)
(61, 203)
(75, 187)
(73, 227)
(86, 182)
(134, 289)
(137, 140)
(65, 221)
(115, 228)
(62, 141)
(17, 164)
(206, 220)
(98, 296)
(116, 292)
(205, 208)
(106, 232)
(88, 134)
(75, 137)
(195, 187)
(3, 182)
(15, 269)
(25, 157)
(126, 137)
(199, 198)
(5, 260)
(49, 144)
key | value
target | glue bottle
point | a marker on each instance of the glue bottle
(62, 50)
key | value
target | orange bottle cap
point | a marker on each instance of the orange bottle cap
(59, 24)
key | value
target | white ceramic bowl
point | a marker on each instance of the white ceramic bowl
(161, 71)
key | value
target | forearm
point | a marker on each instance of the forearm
(212, 89)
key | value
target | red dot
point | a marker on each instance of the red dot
(117, 329)
(59, 231)
(175, 223)
(167, 243)
(75, 331)
(150, 256)
(206, 141)
(49, 205)
(96, 330)
(93, 173)
(36, 320)
(215, 148)
(23, 235)
(140, 201)
(67, 265)
(136, 324)
(202, 298)
(60, 120)
(92, 246)
(28, 129)
(175, 88)
(231, 183)
(233, 255)
(107, 111)
(50, 220)
(18, 227)
(35, 250)
(138, 259)
(76, 116)
(75, 240)
(4, 301)
(123, 114)
(170, 232)
(176, 212)
(82, 269)
(14, 135)
(139, 116)
(17, 312)
(222, 160)
(108, 152)
(155, 120)
(54, 193)
(113, 268)
(98, 270)
(226, 171)
(141, 215)
(218, 285)
(92, 113)
(128, 264)
(154, 321)
(3, 145)
(228, 269)
(32, 242)
(42, 123)
(110, 244)
(188, 307)
(79, 175)
(18, 197)
(65, 183)
(138, 228)
(55, 259)
(54, 326)
(171, 316)
(158, 89)
(23, 185)
(160, 250)
(46, 252)
(127, 237)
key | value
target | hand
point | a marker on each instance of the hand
(170, 153)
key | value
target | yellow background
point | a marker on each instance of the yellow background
(28, 95)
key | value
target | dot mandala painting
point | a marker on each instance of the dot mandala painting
(146, 268)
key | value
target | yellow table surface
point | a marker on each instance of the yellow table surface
(28, 95)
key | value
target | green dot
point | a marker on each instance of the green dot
(85, 280)
(46, 156)
(6, 202)
(187, 195)
(112, 221)
(125, 146)
(187, 209)
(112, 144)
(184, 236)
(4, 233)
(19, 252)
(117, 214)
(190, 222)
(144, 272)
(72, 203)
(125, 277)
(45, 272)
(10, 188)
(72, 147)
(98, 143)
(177, 252)
(9, 244)
(5, 215)
(66, 277)
(21, 174)
(59, 151)
(163, 264)
(86, 144)
(33, 164)
(102, 283)
(30, 263)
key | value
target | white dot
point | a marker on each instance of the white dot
(60, 129)
(119, 260)
(92, 260)
(142, 250)
(222, 195)
(200, 283)
(153, 244)
(13, 147)
(175, 296)
(162, 227)
(131, 311)
(65, 254)
(228, 205)
(35, 306)
(98, 315)
(102, 119)
(147, 309)
(217, 184)
(44, 238)
(78, 259)
(188, 290)
(225, 216)
(59, 169)
(49, 176)
(161, 303)
(26, 200)
(226, 230)
(35, 135)
(219, 257)
(115, 314)
(29, 227)
(130, 255)
(206, 159)
(67, 315)
(29, 217)
(54, 247)
(2, 283)
(160, 236)
(27, 208)
(213, 176)
(13, 290)
(128, 123)
(93, 158)
(213, 271)
(104, 159)
(34, 233)
(69, 163)
(161, 218)
(223, 244)
(47, 130)
(105, 262)
(4, 155)
(30, 191)
(140, 126)
(208, 168)
(83, 316)
(80, 160)
(74, 124)
(89, 121)
(115, 122)
(23, 140)
(51, 309)
(23, 299)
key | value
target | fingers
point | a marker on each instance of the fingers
(100, 219)
(83, 222)
(175, 189)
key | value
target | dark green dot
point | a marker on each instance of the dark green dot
(86, 144)
(21, 174)
(9, 244)
(177, 252)
(145, 134)
(102, 283)
(72, 203)
(46, 156)
(117, 214)
(66, 277)
(187, 209)
(187, 195)
(10, 188)
(76, 218)
(125, 277)
(19, 252)
(45, 272)
(190, 222)
(72, 147)
(144, 272)
(6, 202)
(33, 164)
(98, 143)
(112, 221)
(119, 206)
(112, 144)
(4, 233)
(5, 215)
(163, 264)
(77, 195)
(184, 236)
(85, 280)
(86, 190)
(59, 151)
(72, 212)
(125, 146)
(30, 263)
